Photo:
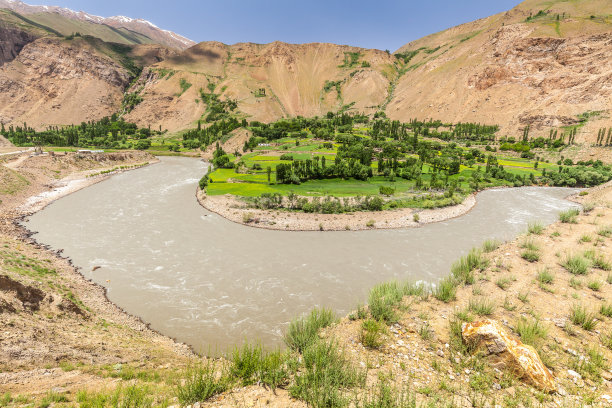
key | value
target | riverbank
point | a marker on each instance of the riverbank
(235, 210)
(67, 344)
(58, 330)
(550, 289)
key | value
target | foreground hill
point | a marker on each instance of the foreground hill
(542, 64)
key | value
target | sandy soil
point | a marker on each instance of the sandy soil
(63, 319)
(235, 210)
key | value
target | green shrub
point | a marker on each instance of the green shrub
(481, 307)
(530, 331)
(133, 396)
(535, 228)
(591, 366)
(385, 396)
(383, 299)
(530, 255)
(505, 282)
(606, 310)
(581, 317)
(576, 265)
(326, 372)
(598, 260)
(606, 339)
(371, 333)
(304, 331)
(245, 362)
(201, 383)
(463, 269)
(594, 285)
(490, 245)
(386, 190)
(446, 290)
(545, 277)
(569, 216)
(605, 231)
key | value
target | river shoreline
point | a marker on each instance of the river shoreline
(234, 210)
(39, 193)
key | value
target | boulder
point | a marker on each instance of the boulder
(508, 352)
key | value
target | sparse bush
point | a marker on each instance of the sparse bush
(590, 366)
(535, 228)
(605, 231)
(201, 383)
(594, 285)
(530, 331)
(545, 277)
(446, 290)
(606, 339)
(463, 269)
(251, 364)
(371, 333)
(569, 216)
(326, 371)
(530, 255)
(581, 317)
(598, 260)
(426, 332)
(490, 245)
(606, 310)
(576, 265)
(588, 207)
(304, 331)
(383, 299)
(385, 396)
(481, 307)
(505, 282)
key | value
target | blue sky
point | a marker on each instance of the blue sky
(382, 24)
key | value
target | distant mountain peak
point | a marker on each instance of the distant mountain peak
(147, 28)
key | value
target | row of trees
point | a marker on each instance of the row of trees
(299, 171)
(108, 132)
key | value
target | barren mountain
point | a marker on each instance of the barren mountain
(54, 81)
(542, 64)
(268, 81)
(118, 29)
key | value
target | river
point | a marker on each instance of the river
(212, 284)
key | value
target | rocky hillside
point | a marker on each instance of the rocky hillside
(267, 81)
(542, 64)
(55, 81)
(119, 29)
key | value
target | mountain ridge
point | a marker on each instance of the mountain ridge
(142, 26)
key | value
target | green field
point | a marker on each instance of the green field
(255, 182)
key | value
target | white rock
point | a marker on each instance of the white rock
(574, 374)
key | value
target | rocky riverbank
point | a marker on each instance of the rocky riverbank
(57, 328)
(235, 210)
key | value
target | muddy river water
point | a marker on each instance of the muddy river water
(211, 283)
